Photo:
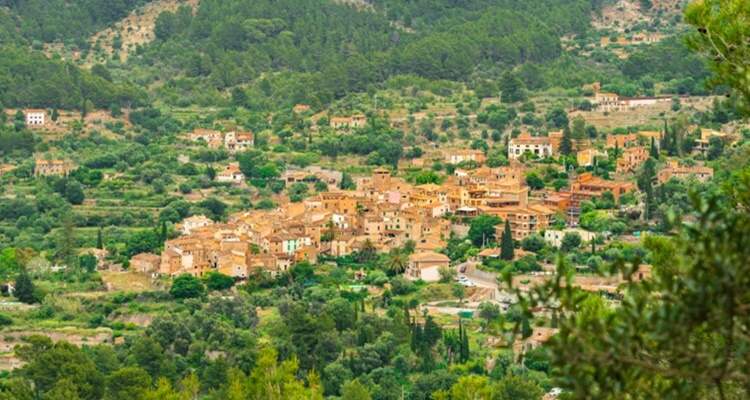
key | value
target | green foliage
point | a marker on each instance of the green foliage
(668, 60)
(218, 281)
(187, 286)
(482, 229)
(570, 242)
(534, 181)
(10, 263)
(722, 37)
(127, 383)
(29, 79)
(566, 144)
(533, 243)
(87, 262)
(506, 243)
(693, 296)
(354, 390)
(59, 20)
(249, 39)
(512, 88)
(557, 118)
(24, 288)
(60, 369)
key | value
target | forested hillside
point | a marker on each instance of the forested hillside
(333, 49)
(269, 55)
(60, 20)
(29, 79)
(374, 199)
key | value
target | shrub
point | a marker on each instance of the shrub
(218, 281)
(187, 286)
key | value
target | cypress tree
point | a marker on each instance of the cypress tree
(526, 330)
(649, 203)
(566, 145)
(654, 151)
(506, 243)
(465, 347)
(163, 233)
(99, 239)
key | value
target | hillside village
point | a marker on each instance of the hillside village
(206, 191)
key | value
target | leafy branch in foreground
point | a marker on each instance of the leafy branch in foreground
(723, 35)
(683, 332)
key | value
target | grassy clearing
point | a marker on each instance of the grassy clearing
(129, 281)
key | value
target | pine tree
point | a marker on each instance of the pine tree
(566, 145)
(24, 287)
(512, 88)
(506, 243)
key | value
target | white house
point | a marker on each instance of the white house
(194, 222)
(539, 146)
(231, 174)
(35, 117)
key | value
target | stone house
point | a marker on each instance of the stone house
(53, 167)
(145, 263)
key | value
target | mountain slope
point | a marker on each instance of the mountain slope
(71, 21)
(136, 29)
(335, 49)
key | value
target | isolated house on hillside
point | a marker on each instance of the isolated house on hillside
(231, 174)
(35, 118)
(53, 167)
(238, 141)
(355, 121)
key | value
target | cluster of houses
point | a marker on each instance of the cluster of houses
(608, 102)
(632, 157)
(232, 141)
(385, 212)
